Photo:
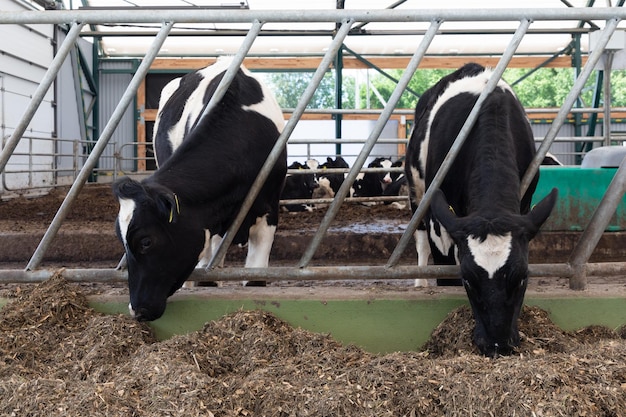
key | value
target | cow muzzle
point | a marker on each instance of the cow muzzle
(495, 349)
(144, 314)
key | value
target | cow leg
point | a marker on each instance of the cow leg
(423, 253)
(260, 240)
(210, 247)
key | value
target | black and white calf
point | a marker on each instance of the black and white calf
(300, 186)
(334, 180)
(477, 218)
(373, 184)
(203, 177)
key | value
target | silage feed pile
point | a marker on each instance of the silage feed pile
(59, 357)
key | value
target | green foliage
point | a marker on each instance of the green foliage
(289, 87)
(546, 87)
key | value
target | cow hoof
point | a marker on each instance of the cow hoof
(421, 283)
(255, 284)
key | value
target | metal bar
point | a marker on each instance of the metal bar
(598, 223)
(568, 103)
(281, 142)
(99, 147)
(39, 94)
(347, 200)
(458, 143)
(606, 122)
(354, 272)
(224, 84)
(193, 15)
(369, 144)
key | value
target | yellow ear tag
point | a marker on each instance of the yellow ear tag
(451, 209)
(177, 208)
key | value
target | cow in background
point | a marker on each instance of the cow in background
(334, 180)
(203, 177)
(300, 186)
(399, 186)
(477, 218)
(372, 184)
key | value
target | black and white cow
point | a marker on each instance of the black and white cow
(300, 186)
(399, 186)
(335, 180)
(477, 218)
(203, 177)
(372, 184)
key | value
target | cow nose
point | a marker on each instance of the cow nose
(141, 314)
(497, 349)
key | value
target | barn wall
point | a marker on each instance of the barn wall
(115, 77)
(26, 54)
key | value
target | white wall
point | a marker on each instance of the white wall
(26, 52)
(350, 129)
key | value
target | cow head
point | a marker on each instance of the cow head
(162, 244)
(493, 257)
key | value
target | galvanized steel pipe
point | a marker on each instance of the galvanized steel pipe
(281, 143)
(369, 144)
(568, 103)
(99, 147)
(199, 15)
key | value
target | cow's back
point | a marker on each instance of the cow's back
(183, 99)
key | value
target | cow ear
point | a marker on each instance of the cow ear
(540, 212)
(127, 188)
(167, 202)
(444, 213)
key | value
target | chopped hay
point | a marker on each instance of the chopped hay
(59, 357)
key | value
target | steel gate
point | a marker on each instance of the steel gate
(576, 268)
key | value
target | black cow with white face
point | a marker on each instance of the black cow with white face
(477, 218)
(300, 186)
(335, 180)
(203, 177)
(373, 184)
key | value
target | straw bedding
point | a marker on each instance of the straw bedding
(59, 357)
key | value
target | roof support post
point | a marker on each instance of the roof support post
(99, 147)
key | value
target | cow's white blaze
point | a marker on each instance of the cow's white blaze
(127, 208)
(387, 178)
(492, 253)
(260, 243)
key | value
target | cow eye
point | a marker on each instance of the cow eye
(146, 243)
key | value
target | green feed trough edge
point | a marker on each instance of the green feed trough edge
(404, 323)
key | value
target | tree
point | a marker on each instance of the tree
(544, 88)
(289, 87)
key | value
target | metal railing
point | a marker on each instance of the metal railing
(576, 268)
